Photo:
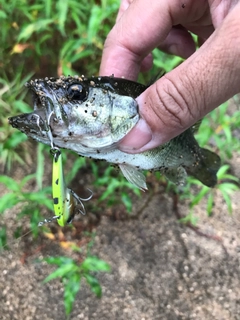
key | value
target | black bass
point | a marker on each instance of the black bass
(92, 115)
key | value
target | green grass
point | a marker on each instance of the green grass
(216, 131)
(49, 38)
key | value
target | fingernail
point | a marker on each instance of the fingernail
(138, 137)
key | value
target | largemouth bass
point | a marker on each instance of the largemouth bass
(92, 115)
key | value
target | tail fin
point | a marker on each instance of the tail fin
(206, 169)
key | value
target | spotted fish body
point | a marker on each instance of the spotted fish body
(92, 115)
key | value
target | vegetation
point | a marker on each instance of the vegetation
(49, 38)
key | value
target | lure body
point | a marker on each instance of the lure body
(66, 202)
(59, 191)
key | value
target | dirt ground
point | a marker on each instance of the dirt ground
(160, 269)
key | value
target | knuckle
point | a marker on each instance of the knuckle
(175, 101)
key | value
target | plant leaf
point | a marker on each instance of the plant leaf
(93, 263)
(8, 201)
(61, 271)
(94, 284)
(71, 288)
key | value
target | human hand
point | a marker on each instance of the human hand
(207, 78)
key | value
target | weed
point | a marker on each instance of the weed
(216, 130)
(11, 100)
(72, 272)
(46, 38)
(32, 202)
(114, 184)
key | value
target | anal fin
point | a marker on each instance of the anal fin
(176, 175)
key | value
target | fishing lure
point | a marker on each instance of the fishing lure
(66, 202)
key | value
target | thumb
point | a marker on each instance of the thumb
(183, 96)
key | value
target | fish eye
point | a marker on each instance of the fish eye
(76, 92)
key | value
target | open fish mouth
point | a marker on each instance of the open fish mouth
(38, 124)
(33, 125)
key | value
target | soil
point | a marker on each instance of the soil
(160, 269)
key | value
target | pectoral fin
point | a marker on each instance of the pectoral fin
(134, 176)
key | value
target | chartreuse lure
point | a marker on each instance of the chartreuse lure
(60, 193)
(66, 202)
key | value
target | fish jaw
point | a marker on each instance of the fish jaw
(33, 125)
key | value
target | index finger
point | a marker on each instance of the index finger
(138, 30)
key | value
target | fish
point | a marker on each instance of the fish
(91, 116)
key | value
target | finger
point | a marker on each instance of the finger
(183, 96)
(147, 63)
(179, 42)
(139, 30)
(123, 7)
(201, 41)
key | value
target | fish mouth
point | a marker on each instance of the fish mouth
(36, 101)
(36, 124)
(47, 120)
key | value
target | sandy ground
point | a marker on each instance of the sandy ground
(160, 269)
